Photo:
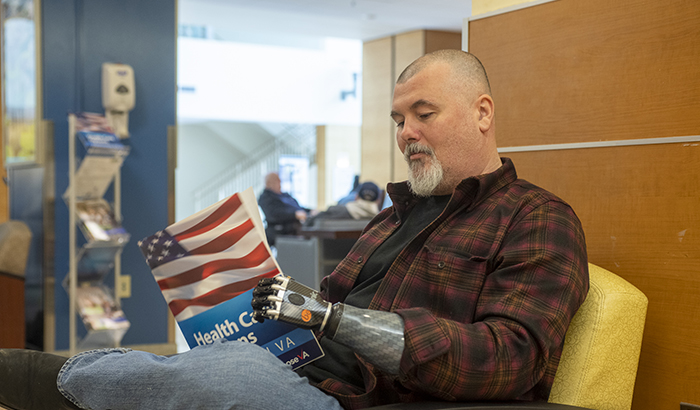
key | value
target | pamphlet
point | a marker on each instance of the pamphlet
(101, 154)
(207, 266)
(102, 143)
(95, 174)
(91, 121)
(98, 223)
(98, 310)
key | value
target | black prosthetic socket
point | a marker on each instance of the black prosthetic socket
(28, 381)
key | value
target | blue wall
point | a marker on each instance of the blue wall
(77, 37)
(26, 205)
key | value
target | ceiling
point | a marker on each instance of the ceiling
(354, 19)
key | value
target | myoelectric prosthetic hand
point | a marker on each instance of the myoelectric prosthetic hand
(286, 300)
(377, 336)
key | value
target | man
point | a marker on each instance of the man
(283, 213)
(462, 290)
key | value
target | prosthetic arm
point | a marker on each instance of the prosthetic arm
(376, 336)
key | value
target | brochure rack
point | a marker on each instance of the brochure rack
(94, 165)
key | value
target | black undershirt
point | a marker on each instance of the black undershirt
(339, 361)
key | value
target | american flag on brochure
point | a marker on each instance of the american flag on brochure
(211, 256)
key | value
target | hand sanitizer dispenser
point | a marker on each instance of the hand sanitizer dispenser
(118, 96)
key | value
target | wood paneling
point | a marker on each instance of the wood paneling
(639, 209)
(376, 105)
(408, 47)
(442, 40)
(572, 71)
(12, 327)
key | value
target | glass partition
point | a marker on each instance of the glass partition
(19, 76)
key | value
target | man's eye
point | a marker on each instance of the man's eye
(425, 116)
(399, 124)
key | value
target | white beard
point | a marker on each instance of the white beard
(423, 178)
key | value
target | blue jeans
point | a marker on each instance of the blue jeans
(223, 375)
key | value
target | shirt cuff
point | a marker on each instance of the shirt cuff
(425, 339)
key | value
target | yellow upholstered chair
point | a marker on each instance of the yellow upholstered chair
(598, 366)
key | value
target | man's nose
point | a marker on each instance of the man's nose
(409, 132)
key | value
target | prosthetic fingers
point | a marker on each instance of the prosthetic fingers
(376, 336)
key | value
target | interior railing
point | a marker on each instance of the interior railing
(290, 139)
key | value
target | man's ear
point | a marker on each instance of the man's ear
(486, 112)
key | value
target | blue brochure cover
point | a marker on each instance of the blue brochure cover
(207, 266)
(233, 320)
(102, 143)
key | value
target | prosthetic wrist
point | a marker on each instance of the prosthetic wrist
(376, 336)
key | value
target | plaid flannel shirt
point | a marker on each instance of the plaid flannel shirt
(486, 292)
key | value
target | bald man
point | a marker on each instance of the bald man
(461, 291)
(283, 214)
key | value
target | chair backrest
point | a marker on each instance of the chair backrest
(15, 239)
(598, 366)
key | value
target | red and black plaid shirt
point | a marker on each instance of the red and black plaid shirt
(486, 291)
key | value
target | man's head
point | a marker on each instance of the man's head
(369, 191)
(444, 115)
(273, 183)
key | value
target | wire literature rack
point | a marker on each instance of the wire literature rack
(94, 165)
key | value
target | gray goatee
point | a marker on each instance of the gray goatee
(425, 174)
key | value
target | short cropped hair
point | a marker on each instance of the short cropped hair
(464, 64)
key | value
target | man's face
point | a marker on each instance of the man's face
(275, 185)
(437, 122)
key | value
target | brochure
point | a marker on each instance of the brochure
(97, 135)
(207, 266)
(98, 223)
(100, 155)
(98, 309)
(102, 143)
(92, 121)
(95, 175)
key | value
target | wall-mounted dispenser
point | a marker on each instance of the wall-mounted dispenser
(118, 96)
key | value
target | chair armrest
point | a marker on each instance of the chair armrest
(477, 406)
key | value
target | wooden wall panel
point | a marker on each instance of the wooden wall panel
(376, 105)
(571, 71)
(408, 47)
(12, 326)
(639, 209)
(442, 40)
